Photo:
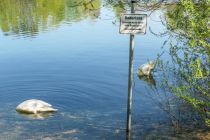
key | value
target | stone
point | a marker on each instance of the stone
(146, 69)
(34, 106)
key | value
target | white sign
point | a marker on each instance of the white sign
(133, 24)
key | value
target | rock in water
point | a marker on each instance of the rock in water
(146, 69)
(34, 106)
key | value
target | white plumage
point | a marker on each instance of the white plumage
(35, 106)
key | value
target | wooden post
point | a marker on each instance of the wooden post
(130, 78)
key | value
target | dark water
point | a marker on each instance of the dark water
(77, 61)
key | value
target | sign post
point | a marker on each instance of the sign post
(130, 78)
(132, 24)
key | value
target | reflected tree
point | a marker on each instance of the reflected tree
(121, 6)
(28, 17)
(78, 10)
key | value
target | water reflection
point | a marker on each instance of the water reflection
(87, 82)
(28, 18)
(38, 116)
(185, 74)
(181, 120)
(148, 79)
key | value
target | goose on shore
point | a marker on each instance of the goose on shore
(34, 106)
(146, 69)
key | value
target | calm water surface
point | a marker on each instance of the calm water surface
(78, 62)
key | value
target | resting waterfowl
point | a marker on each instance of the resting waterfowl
(35, 106)
(146, 69)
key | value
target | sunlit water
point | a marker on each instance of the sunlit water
(81, 68)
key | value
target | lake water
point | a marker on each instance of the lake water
(78, 62)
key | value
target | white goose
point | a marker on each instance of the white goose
(34, 106)
(146, 69)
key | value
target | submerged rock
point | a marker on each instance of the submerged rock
(34, 106)
(146, 69)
